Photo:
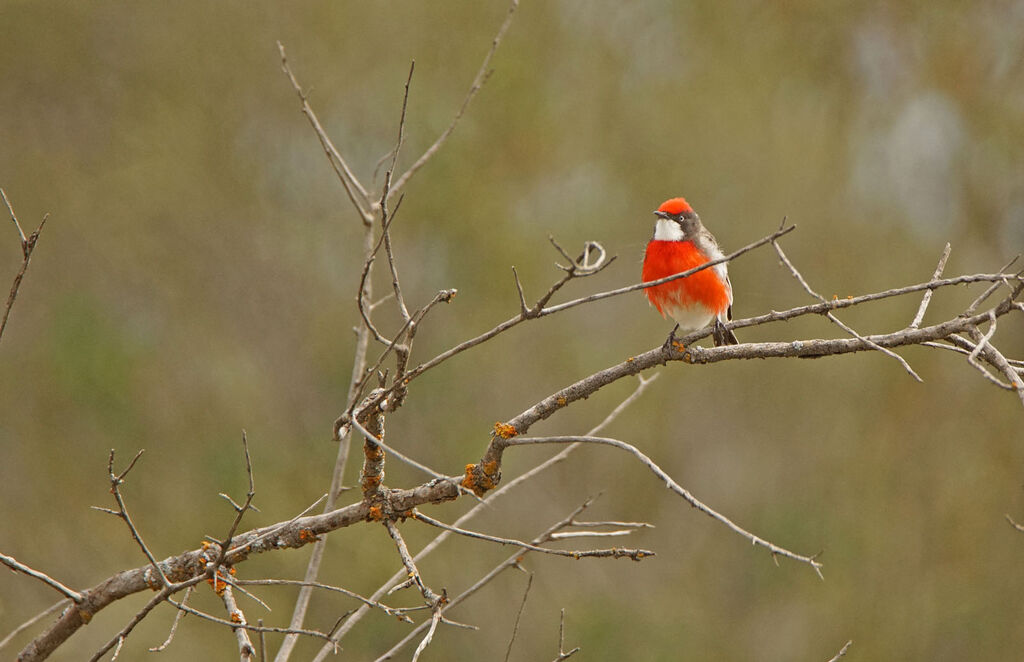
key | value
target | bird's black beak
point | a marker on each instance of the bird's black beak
(664, 215)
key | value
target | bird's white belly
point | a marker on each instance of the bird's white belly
(690, 318)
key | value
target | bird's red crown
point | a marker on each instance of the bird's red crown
(676, 206)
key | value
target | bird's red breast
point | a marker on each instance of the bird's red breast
(666, 258)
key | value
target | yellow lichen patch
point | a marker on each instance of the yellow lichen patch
(630, 359)
(504, 430)
(491, 468)
(562, 401)
(376, 513)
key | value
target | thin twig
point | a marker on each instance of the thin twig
(774, 549)
(971, 309)
(390, 611)
(511, 562)
(32, 621)
(435, 618)
(384, 200)
(28, 244)
(842, 325)
(926, 299)
(842, 651)
(478, 82)
(404, 458)
(178, 615)
(410, 565)
(519, 615)
(226, 545)
(356, 193)
(614, 552)
(14, 564)
(115, 483)
(562, 653)
(248, 626)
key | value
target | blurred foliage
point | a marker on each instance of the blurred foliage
(198, 274)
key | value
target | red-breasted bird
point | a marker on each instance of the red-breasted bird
(681, 243)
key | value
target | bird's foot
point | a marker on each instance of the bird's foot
(722, 335)
(672, 343)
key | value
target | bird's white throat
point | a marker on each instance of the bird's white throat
(666, 230)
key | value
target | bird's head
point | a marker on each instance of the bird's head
(676, 220)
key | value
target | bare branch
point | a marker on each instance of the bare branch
(246, 650)
(478, 82)
(503, 490)
(842, 651)
(774, 549)
(1009, 519)
(14, 564)
(508, 324)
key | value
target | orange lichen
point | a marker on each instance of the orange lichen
(630, 359)
(236, 617)
(376, 513)
(217, 583)
(469, 482)
(504, 430)
(562, 401)
(305, 535)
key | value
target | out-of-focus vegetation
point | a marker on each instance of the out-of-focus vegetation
(198, 273)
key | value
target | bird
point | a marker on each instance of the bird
(680, 243)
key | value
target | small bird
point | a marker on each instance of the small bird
(681, 243)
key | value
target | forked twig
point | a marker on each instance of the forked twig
(28, 244)
(835, 320)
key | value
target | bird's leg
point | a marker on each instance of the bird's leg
(671, 342)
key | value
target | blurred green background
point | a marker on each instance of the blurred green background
(198, 272)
